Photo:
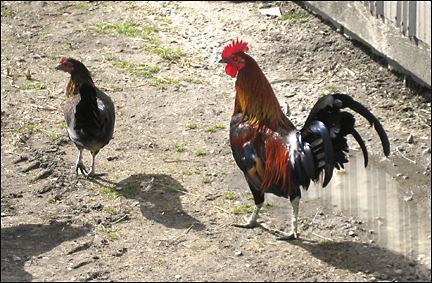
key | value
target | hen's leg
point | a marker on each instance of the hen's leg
(92, 170)
(79, 165)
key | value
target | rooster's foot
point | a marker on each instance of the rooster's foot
(251, 223)
(290, 236)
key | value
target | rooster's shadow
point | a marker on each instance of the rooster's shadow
(159, 197)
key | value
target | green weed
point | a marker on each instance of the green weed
(230, 195)
(215, 128)
(295, 16)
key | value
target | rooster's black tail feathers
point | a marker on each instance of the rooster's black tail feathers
(323, 142)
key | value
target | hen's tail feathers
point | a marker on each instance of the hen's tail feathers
(323, 142)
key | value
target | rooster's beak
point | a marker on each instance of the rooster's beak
(223, 60)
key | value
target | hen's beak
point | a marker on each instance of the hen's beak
(223, 60)
(59, 67)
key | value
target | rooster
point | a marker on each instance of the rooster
(274, 156)
(88, 111)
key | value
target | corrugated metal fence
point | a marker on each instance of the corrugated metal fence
(412, 17)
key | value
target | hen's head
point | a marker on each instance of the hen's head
(232, 56)
(69, 65)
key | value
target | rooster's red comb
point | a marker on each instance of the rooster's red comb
(63, 59)
(235, 46)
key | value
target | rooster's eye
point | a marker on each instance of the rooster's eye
(235, 58)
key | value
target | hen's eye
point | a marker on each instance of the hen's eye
(235, 58)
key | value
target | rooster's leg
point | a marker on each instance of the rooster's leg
(79, 165)
(252, 222)
(295, 202)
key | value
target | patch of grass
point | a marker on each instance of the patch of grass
(3, 12)
(131, 5)
(245, 208)
(129, 189)
(17, 131)
(193, 126)
(206, 180)
(139, 70)
(178, 148)
(161, 81)
(110, 192)
(200, 152)
(187, 172)
(190, 80)
(111, 210)
(329, 87)
(230, 195)
(169, 53)
(197, 171)
(295, 16)
(36, 85)
(266, 203)
(112, 236)
(326, 244)
(343, 255)
(109, 57)
(127, 28)
(215, 128)
(82, 6)
(62, 126)
(33, 127)
(44, 31)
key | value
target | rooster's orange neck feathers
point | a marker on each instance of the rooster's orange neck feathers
(255, 98)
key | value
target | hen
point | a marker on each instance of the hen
(274, 156)
(88, 111)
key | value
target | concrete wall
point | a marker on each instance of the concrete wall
(407, 54)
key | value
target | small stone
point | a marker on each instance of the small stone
(239, 253)
(96, 206)
(410, 139)
(352, 234)
(399, 272)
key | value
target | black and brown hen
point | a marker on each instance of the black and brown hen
(88, 111)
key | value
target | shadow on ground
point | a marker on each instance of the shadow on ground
(160, 198)
(20, 243)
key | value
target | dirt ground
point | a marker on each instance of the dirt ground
(165, 208)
